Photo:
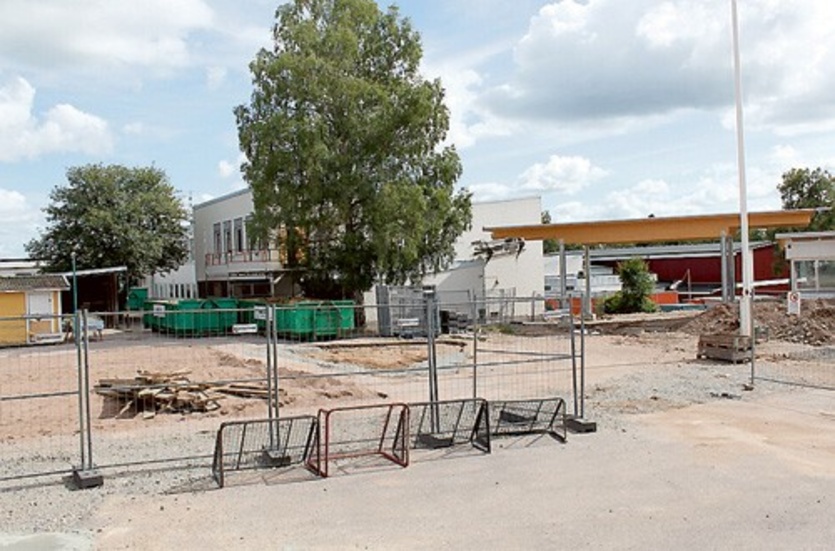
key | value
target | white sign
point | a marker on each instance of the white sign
(260, 312)
(793, 300)
(159, 310)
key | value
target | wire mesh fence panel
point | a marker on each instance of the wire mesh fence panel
(795, 343)
(449, 423)
(39, 399)
(160, 377)
(527, 359)
(262, 443)
(462, 359)
(795, 363)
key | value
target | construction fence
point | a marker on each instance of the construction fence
(126, 390)
(792, 342)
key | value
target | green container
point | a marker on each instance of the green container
(188, 317)
(191, 316)
(225, 313)
(312, 319)
(253, 311)
(136, 298)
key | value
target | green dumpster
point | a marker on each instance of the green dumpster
(224, 313)
(315, 319)
(136, 298)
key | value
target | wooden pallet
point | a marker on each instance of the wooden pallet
(725, 347)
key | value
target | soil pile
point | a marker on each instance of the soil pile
(815, 325)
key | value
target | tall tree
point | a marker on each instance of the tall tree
(343, 145)
(805, 188)
(114, 216)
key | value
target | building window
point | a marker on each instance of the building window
(239, 234)
(218, 239)
(227, 236)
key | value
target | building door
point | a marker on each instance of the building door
(40, 303)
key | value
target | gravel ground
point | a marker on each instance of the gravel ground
(50, 505)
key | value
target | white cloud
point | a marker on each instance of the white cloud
(19, 221)
(151, 33)
(134, 128)
(610, 60)
(490, 191)
(215, 77)
(563, 174)
(463, 85)
(229, 169)
(62, 128)
(225, 169)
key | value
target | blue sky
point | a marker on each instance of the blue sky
(605, 108)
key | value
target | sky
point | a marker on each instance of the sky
(606, 109)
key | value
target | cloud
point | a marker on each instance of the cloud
(469, 120)
(715, 190)
(563, 174)
(134, 128)
(19, 221)
(229, 169)
(609, 60)
(490, 191)
(63, 128)
(151, 33)
(215, 77)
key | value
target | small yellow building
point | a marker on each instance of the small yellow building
(30, 308)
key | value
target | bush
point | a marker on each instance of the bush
(636, 288)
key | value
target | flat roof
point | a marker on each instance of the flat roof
(653, 230)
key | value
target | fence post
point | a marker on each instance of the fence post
(85, 475)
(272, 375)
(430, 304)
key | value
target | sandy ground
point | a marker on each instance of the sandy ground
(753, 472)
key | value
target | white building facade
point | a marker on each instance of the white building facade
(229, 263)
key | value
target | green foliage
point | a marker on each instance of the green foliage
(805, 188)
(549, 246)
(636, 288)
(114, 216)
(343, 144)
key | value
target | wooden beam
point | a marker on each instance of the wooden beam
(653, 230)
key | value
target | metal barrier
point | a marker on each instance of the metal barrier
(451, 422)
(545, 415)
(380, 430)
(261, 443)
(151, 387)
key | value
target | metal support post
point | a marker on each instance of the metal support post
(84, 475)
(431, 306)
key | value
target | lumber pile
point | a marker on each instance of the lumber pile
(157, 392)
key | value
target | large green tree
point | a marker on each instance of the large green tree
(343, 143)
(806, 188)
(114, 216)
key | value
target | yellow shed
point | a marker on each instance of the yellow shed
(30, 308)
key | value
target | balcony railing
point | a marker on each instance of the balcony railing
(242, 257)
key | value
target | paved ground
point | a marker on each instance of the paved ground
(757, 473)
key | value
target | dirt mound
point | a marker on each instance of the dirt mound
(815, 325)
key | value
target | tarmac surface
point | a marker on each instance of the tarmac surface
(757, 473)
